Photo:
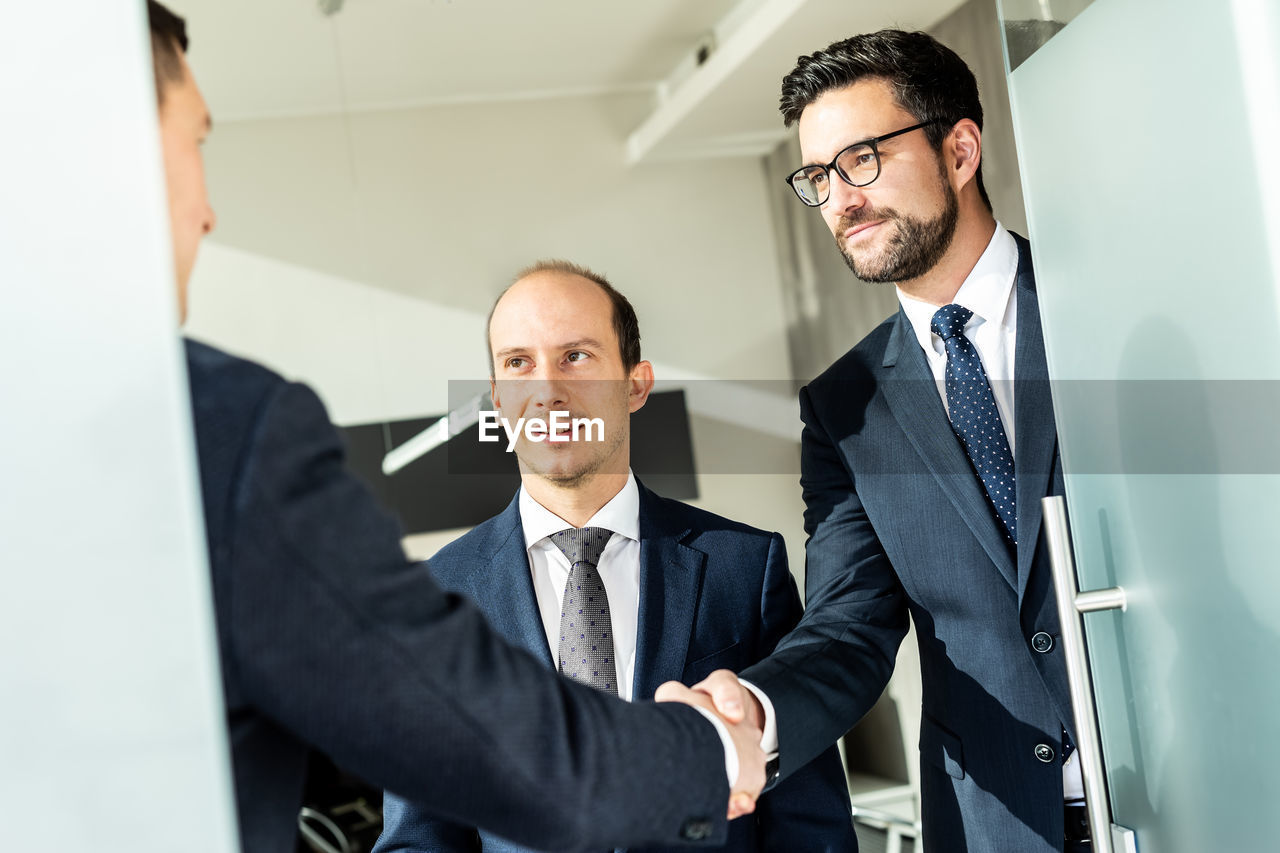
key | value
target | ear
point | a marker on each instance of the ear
(641, 381)
(493, 393)
(963, 152)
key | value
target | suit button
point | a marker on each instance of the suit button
(696, 829)
(1041, 642)
(1044, 752)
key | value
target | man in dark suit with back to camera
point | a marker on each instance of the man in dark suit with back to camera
(672, 592)
(329, 639)
(925, 453)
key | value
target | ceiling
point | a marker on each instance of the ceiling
(274, 58)
(258, 58)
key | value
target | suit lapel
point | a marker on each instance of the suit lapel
(1033, 416)
(511, 604)
(912, 395)
(670, 580)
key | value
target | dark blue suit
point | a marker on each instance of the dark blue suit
(329, 638)
(714, 594)
(898, 524)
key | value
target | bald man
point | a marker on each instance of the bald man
(599, 577)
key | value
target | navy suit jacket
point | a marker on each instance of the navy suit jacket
(898, 523)
(329, 638)
(714, 594)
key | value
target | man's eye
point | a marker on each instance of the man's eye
(515, 363)
(577, 355)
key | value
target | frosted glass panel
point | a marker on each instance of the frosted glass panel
(111, 726)
(1146, 131)
(1029, 24)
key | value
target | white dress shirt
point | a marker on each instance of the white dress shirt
(619, 569)
(989, 292)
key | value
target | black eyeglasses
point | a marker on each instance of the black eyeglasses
(857, 165)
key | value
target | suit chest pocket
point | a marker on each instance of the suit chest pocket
(729, 657)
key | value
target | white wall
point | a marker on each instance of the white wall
(444, 204)
(362, 254)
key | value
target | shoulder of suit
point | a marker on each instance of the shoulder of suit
(863, 360)
(226, 381)
(237, 405)
(702, 523)
(471, 552)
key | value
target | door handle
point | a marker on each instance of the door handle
(1072, 604)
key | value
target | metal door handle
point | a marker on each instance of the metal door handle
(310, 824)
(1107, 837)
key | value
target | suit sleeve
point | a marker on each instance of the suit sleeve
(339, 639)
(827, 673)
(810, 809)
(407, 828)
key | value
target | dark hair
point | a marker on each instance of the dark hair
(625, 323)
(168, 40)
(929, 80)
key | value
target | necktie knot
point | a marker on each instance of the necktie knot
(582, 545)
(949, 321)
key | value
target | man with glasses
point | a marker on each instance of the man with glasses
(923, 465)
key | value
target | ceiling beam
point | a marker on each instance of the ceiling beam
(736, 39)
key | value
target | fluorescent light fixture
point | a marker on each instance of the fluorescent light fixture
(462, 418)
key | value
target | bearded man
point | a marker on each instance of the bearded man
(925, 453)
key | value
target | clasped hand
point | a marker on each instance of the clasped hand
(723, 694)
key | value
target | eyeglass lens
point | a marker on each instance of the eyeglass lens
(858, 164)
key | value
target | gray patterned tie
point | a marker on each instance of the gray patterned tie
(586, 631)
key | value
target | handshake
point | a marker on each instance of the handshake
(722, 694)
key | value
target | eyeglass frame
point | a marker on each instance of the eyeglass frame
(873, 143)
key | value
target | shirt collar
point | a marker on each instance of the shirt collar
(985, 291)
(621, 515)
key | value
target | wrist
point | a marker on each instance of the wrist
(772, 772)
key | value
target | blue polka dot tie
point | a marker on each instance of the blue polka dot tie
(586, 631)
(974, 416)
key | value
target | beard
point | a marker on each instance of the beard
(571, 464)
(914, 248)
(568, 474)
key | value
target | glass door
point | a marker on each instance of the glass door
(1148, 134)
(112, 726)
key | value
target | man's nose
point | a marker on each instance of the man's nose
(551, 391)
(210, 218)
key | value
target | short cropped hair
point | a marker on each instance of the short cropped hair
(929, 80)
(168, 43)
(625, 324)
